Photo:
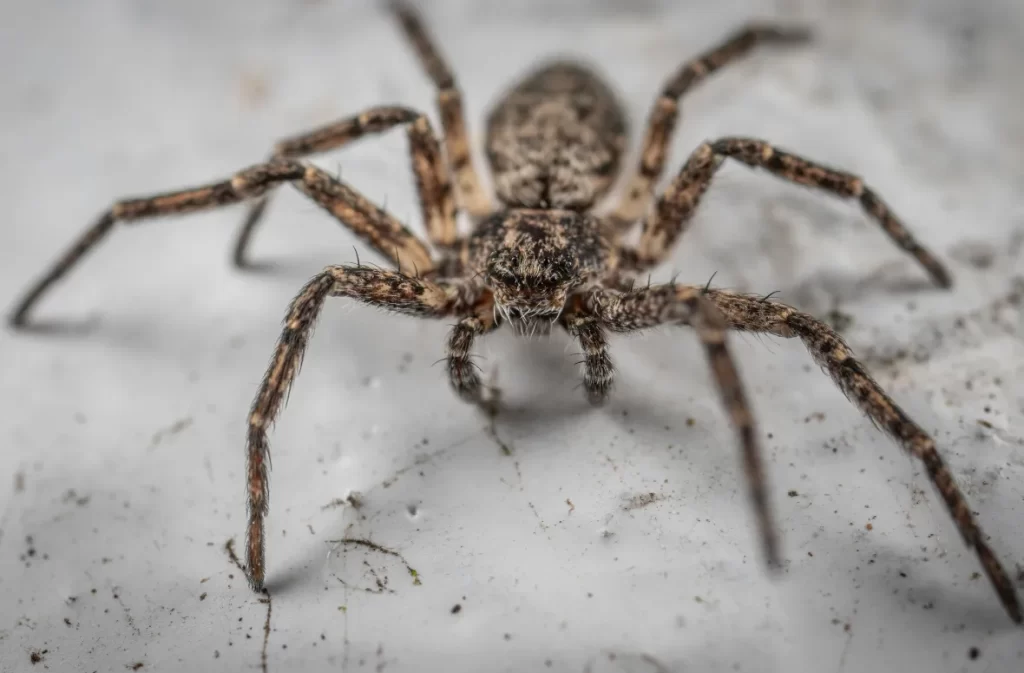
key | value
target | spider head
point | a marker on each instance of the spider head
(530, 287)
(532, 260)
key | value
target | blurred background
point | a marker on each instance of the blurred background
(560, 538)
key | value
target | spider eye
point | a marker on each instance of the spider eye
(502, 274)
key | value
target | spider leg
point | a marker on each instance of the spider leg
(670, 218)
(371, 223)
(389, 290)
(432, 177)
(598, 370)
(753, 314)
(471, 195)
(676, 304)
(463, 373)
(665, 113)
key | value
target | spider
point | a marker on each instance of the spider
(542, 257)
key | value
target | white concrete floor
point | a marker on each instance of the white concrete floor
(123, 419)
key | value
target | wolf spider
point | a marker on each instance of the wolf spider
(542, 257)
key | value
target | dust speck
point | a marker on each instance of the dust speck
(641, 500)
(254, 89)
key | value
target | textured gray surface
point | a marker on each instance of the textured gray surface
(123, 420)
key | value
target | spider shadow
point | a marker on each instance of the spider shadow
(296, 265)
(295, 576)
(543, 389)
(305, 264)
(937, 604)
(822, 291)
(57, 328)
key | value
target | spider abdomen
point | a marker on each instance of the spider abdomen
(556, 138)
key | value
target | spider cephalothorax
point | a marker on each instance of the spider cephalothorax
(554, 143)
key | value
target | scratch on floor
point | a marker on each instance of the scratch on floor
(266, 629)
(658, 666)
(369, 544)
(355, 498)
(492, 430)
(540, 522)
(417, 461)
(846, 649)
(491, 409)
(381, 583)
(229, 548)
(127, 612)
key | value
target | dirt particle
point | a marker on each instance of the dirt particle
(457, 608)
(202, 596)
(19, 482)
(641, 500)
(176, 427)
(253, 89)
(135, 667)
(71, 496)
(792, 493)
(37, 656)
(67, 622)
(973, 653)
(868, 526)
(353, 500)
(691, 421)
